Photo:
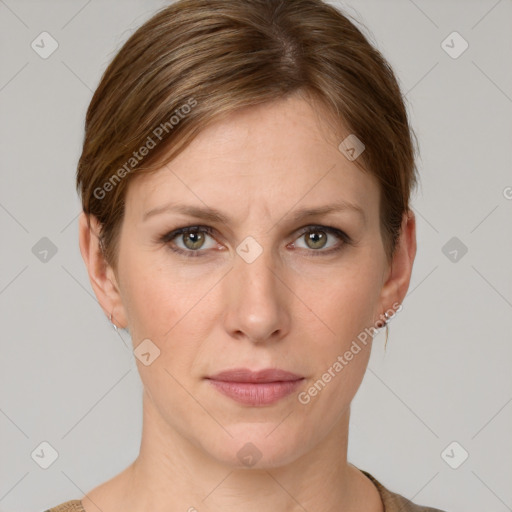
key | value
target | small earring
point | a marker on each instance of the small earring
(387, 329)
(112, 323)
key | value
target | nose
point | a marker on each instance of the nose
(258, 304)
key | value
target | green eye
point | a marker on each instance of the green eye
(190, 241)
(193, 240)
(316, 239)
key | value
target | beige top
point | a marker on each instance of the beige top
(392, 502)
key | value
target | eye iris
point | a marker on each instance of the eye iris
(195, 237)
(317, 238)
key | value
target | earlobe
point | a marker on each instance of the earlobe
(395, 288)
(101, 275)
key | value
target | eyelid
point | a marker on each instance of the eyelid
(171, 235)
(329, 229)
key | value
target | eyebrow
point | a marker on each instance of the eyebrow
(214, 215)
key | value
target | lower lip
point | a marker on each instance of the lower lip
(256, 393)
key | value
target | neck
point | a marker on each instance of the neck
(173, 474)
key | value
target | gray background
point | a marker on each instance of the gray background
(67, 378)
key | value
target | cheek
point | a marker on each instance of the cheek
(149, 297)
(343, 302)
(340, 338)
(166, 303)
(340, 346)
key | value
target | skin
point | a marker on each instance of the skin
(292, 308)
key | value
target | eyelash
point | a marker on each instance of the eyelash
(169, 237)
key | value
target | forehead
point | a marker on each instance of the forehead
(271, 156)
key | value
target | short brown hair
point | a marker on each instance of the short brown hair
(198, 60)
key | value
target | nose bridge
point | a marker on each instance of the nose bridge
(255, 265)
(258, 305)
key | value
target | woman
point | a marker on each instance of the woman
(245, 180)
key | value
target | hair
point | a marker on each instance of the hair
(196, 61)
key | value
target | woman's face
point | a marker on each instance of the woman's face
(269, 286)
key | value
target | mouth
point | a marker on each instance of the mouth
(255, 388)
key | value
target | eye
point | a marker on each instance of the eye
(320, 238)
(190, 240)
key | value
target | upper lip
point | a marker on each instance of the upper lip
(246, 375)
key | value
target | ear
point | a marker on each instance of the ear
(101, 275)
(399, 274)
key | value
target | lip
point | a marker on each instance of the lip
(246, 375)
(256, 388)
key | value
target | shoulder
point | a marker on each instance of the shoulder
(395, 502)
(68, 506)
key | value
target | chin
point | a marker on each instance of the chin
(258, 446)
